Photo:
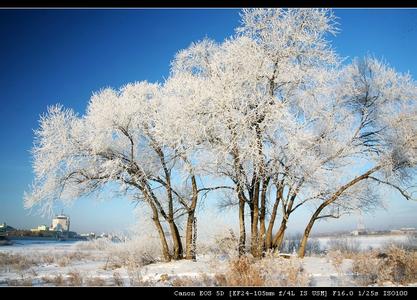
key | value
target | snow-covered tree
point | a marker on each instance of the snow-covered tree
(118, 140)
(279, 111)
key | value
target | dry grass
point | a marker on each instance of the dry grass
(15, 262)
(48, 259)
(183, 281)
(132, 254)
(69, 258)
(336, 257)
(136, 279)
(20, 282)
(243, 272)
(75, 278)
(63, 259)
(279, 271)
(95, 281)
(57, 280)
(395, 265)
(117, 279)
(269, 271)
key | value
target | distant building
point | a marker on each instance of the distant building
(40, 228)
(360, 229)
(61, 223)
(6, 228)
(358, 232)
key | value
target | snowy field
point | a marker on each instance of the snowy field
(125, 264)
(367, 242)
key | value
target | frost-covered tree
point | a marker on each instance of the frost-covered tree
(119, 140)
(382, 147)
(280, 113)
(248, 84)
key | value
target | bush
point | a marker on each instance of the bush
(117, 279)
(132, 253)
(395, 265)
(20, 282)
(243, 272)
(16, 262)
(223, 245)
(75, 278)
(57, 280)
(95, 281)
(269, 271)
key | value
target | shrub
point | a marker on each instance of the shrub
(117, 279)
(133, 254)
(57, 280)
(20, 282)
(95, 281)
(270, 271)
(279, 271)
(394, 265)
(16, 262)
(223, 245)
(243, 272)
(75, 278)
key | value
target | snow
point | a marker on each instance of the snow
(367, 242)
(91, 263)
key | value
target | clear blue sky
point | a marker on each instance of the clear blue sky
(51, 56)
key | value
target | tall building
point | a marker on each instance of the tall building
(61, 223)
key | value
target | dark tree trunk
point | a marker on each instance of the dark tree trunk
(303, 244)
(279, 236)
(176, 239)
(255, 220)
(262, 229)
(162, 238)
(268, 241)
(242, 229)
(334, 197)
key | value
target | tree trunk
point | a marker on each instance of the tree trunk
(279, 236)
(162, 238)
(176, 239)
(262, 229)
(268, 241)
(242, 230)
(255, 220)
(334, 197)
(303, 244)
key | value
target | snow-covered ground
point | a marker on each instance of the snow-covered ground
(52, 263)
